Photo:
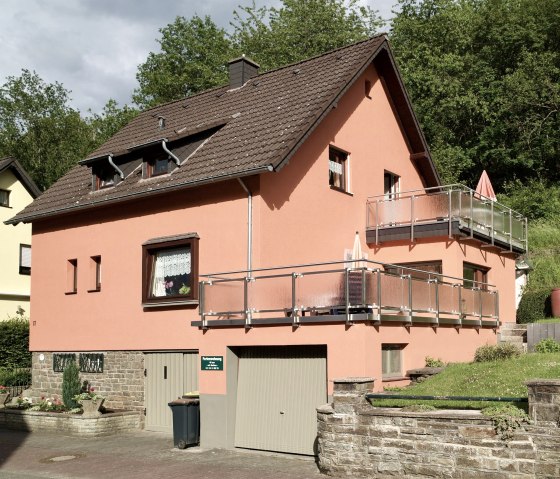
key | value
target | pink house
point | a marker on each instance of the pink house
(258, 240)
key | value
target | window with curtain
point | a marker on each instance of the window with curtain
(170, 269)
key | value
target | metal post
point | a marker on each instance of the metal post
(379, 293)
(480, 304)
(377, 222)
(526, 236)
(436, 282)
(347, 293)
(410, 294)
(246, 302)
(471, 221)
(412, 219)
(492, 224)
(449, 212)
(497, 308)
(202, 306)
(295, 312)
(460, 287)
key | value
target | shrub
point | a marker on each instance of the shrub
(506, 418)
(15, 377)
(14, 343)
(433, 362)
(496, 353)
(547, 345)
(71, 385)
(534, 305)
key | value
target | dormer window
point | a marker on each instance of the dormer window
(104, 176)
(157, 166)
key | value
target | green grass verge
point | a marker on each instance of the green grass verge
(495, 379)
(549, 320)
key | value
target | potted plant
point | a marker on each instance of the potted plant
(4, 395)
(90, 401)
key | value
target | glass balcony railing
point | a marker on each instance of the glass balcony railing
(458, 206)
(343, 291)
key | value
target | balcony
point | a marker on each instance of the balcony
(343, 292)
(454, 211)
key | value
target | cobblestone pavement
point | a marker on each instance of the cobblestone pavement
(137, 455)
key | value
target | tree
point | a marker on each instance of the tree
(300, 29)
(38, 127)
(195, 52)
(483, 76)
(110, 121)
(193, 58)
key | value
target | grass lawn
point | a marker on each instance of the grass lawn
(504, 378)
(549, 320)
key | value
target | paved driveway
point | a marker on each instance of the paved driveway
(138, 455)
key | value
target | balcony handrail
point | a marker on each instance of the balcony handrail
(440, 189)
(249, 274)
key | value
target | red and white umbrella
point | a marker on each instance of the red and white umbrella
(484, 187)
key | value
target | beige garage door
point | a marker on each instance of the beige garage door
(278, 391)
(168, 376)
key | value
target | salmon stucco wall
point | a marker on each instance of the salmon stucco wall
(14, 287)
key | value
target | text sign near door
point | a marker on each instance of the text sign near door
(212, 363)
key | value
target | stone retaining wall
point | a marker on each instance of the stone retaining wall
(121, 382)
(358, 440)
(74, 425)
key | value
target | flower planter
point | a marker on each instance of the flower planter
(3, 399)
(91, 407)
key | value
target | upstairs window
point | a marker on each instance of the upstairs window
(24, 259)
(104, 176)
(170, 270)
(390, 185)
(5, 198)
(159, 165)
(338, 164)
(475, 276)
(95, 274)
(72, 276)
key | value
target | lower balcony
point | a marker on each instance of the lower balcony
(343, 292)
(454, 211)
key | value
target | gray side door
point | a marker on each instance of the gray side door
(168, 376)
(279, 389)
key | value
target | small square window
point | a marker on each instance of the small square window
(338, 164)
(5, 198)
(159, 165)
(24, 259)
(391, 360)
(104, 176)
(475, 276)
(61, 360)
(170, 270)
(391, 185)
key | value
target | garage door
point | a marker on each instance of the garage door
(168, 376)
(278, 391)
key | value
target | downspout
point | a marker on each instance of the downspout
(249, 226)
(117, 169)
(168, 151)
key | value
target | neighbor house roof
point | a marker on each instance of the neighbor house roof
(10, 163)
(253, 129)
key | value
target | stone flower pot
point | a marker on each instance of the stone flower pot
(3, 399)
(91, 407)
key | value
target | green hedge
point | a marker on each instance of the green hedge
(534, 305)
(14, 343)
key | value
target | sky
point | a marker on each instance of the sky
(94, 47)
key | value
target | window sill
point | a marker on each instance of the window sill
(71, 292)
(340, 190)
(171, 304)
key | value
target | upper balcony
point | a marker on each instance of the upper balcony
(454, 211)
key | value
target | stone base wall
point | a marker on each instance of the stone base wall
(75, 425)
(358, 440)
(121, 382)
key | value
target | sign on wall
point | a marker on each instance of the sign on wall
(212, 363)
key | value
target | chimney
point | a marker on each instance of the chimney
(241, 70)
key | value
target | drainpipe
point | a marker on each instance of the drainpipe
(249, 225)
(168, 151)
(117, 169)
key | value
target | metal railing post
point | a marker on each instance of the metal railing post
(379, 293)
(295, 311)
(449, 212)
(377, 222)
(492, 223)
(480, 305)
(471, 220)
(248, 315)
(460, 296)
(412, 219)
(497, 307)
(347, 293)
(436, 282)
(410, 295)
(510, 231)
(202, 308)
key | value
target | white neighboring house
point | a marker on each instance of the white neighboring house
(17, 190)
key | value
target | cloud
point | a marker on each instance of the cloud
(93, 47)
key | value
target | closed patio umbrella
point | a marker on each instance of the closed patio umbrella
(357, 253)
(484, 187)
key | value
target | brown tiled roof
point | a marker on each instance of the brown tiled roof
(264, 122)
